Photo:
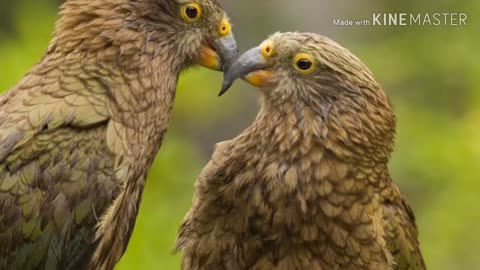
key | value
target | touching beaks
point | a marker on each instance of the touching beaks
(250, 66)
(219, 54)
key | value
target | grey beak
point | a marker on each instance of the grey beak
(227, 49)
(249, 62)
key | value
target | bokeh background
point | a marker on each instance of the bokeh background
(432, 75)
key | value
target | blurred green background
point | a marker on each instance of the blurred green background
(431, 74)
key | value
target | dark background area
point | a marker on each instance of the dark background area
(431, 74)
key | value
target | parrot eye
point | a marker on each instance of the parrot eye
(191, 12)
(304, 63)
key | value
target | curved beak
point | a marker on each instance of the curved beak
(250, 66)
(219, 53)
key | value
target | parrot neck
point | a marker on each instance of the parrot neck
(136, 68)
(133, 73)
(349, 134)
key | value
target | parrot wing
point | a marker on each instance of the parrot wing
(57, 171)
(401, 233)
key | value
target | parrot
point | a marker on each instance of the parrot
(306, 186)
(79, 132)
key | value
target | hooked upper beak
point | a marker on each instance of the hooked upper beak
(250, 66)
(219, 54)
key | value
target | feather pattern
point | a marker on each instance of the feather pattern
(79, 132)
(306, 185)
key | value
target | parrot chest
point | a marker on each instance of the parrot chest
(321, 209)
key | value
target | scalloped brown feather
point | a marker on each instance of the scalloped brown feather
(79, 133)
(306, 186)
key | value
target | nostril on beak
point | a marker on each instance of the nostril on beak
(224, 28)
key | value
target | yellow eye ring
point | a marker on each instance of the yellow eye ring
(267, 50)
(191, 12)
(224, 28)
(304, 63)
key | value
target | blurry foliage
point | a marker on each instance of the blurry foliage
(430, 73)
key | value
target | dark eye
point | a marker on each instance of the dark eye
(191, 12)
(304, 64)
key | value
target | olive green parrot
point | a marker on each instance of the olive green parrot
(78, 134)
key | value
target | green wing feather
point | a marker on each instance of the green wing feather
(57, 173)
(401, 233)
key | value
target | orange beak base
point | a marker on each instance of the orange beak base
(209, 58)
(259, 78)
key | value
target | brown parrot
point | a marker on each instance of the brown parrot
(79, 132)
(306, 186)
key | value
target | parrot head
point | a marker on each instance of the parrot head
(184, 32)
